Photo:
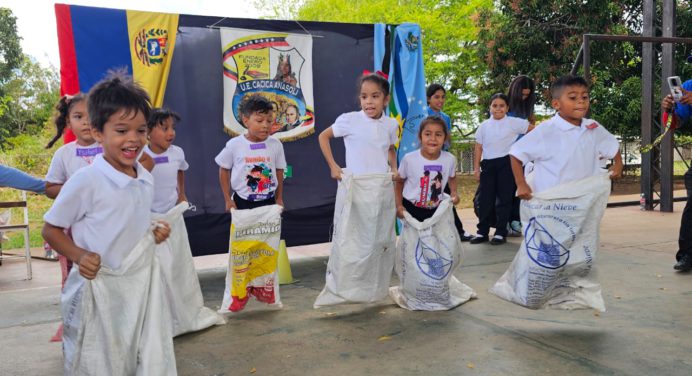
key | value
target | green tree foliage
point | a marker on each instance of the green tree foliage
(448, 28)
(541, 39)
(10, 49)
(31, 92)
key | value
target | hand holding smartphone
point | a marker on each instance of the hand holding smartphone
(675, 85)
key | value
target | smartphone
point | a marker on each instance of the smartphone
(675, 87)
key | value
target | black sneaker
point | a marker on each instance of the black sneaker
(466, 237)
(497, 240)
(478, 239)
(684, 264)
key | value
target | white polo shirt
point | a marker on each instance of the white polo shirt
(497, 136)
(108, 211)
(253, 166)
(165, 173)
(426, 179)
(367, 141)
(562, 152)
(69, 158)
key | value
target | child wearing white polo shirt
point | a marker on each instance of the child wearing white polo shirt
(253, 164)
(566, 148)
(369, 135)
(169, 160)
(494, 172)
(107, 204)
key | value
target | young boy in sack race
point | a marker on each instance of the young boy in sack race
(115, 318)
(253, 165)
(564, 198)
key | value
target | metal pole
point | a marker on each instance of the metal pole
(586, 52)
(667, 70)
(647, 90)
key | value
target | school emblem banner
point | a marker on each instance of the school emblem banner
(277, 66)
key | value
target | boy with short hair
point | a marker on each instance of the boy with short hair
(107, 205)
(566, 148)
(251, 166)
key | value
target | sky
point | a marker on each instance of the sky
(37, 28)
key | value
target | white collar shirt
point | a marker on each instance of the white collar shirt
(562, 152)
(367, 141)
(107, 210)
(498, 135)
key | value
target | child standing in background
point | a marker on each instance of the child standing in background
(494, 172)
(251, 166)
(436, 101)
(71, 114)
(522, 100)
(169, 160)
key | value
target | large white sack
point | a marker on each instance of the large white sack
(363, 243)
(119, 322)
(554, 267)
(180, 282)
(427, 255)
(253, 258)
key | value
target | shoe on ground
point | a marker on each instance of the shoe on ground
(478, 239)
(497, 240)
(513, 234)
(515, 226)
(684, 264)
(466, 237)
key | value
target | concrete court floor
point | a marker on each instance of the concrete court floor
(646, 330)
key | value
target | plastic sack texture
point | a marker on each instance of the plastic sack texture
(427, 255)
(554, 267)
(364, 241)
(180, 282)
(119, 322)
(253, 258)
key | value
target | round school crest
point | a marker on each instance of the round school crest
(151, 46)
(542, 247)
(275, 66)
(434, 263)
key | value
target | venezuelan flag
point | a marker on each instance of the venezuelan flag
(93, 41)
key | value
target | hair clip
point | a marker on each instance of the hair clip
(379, 73)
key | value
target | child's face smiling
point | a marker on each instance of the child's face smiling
(122, 138)
(372, 99)
(573, 104)
(78, 121)
(162, 136)
(498, 108)
(258, 125)
(437, 101)
(432, 140)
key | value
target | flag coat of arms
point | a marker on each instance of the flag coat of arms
(277, 66)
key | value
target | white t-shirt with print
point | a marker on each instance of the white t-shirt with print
(69, 158)
(165, 173)
(367, 141)
(253, 166)
(562, 152)
(425, 179)
(497, 136)
(108, 211)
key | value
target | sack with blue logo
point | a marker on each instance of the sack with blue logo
(555, 265)
(427, 255)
